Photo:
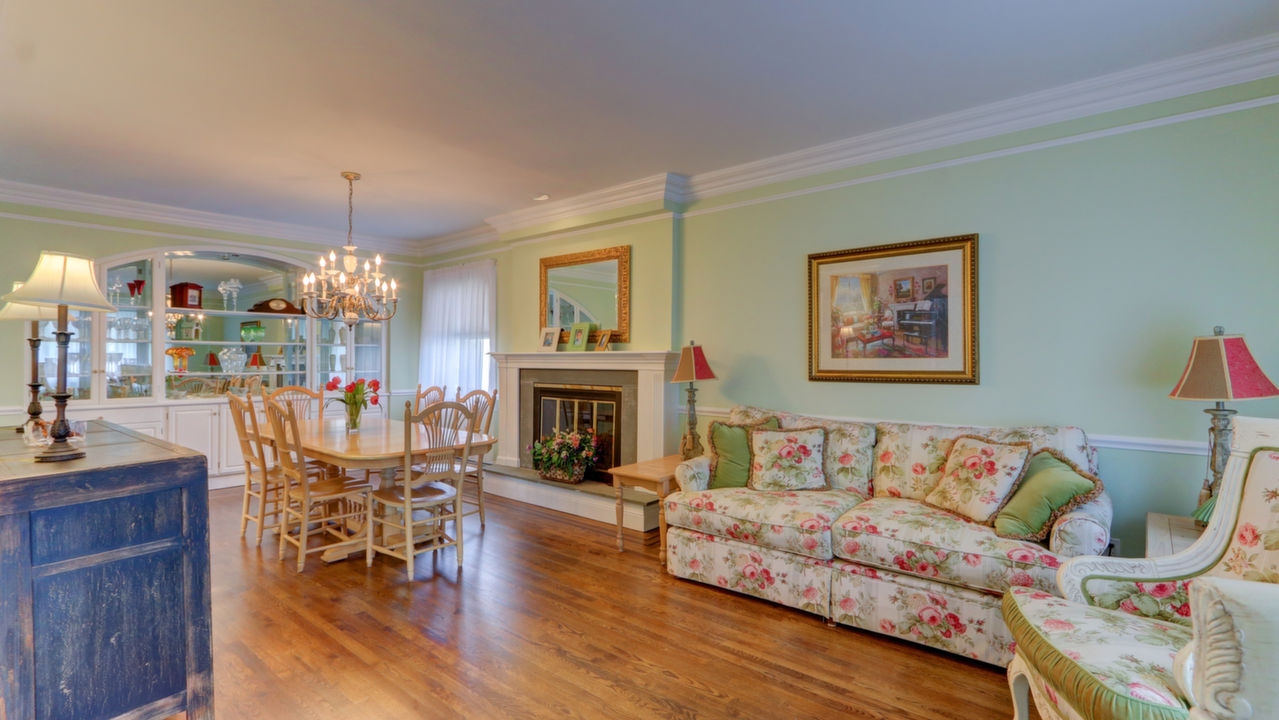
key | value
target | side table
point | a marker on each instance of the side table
(1169, 534)
(656, 475)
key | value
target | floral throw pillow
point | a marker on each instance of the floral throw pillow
(979, 477)
(789, 459)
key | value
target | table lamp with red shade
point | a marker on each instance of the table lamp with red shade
(692, 366)
(1220, 369)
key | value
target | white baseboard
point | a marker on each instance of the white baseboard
(217, 482)
(593, 507)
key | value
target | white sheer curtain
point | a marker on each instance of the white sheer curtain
(459, 310)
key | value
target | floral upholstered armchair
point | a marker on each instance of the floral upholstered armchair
(1110, 649)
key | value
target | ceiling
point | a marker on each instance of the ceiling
(458, 111)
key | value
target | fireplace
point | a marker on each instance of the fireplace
(568, 407)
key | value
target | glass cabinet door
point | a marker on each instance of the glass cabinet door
(348, 354)
(212, 352)
(79, 356)
(128, 360)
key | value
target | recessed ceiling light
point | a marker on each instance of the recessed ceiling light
(542, 197)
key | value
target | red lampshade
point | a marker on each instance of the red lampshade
(692, 365)
(1222, 368)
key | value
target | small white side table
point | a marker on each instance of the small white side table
(1169, 534)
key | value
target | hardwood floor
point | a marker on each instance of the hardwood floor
(546, 620)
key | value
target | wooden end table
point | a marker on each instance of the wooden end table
(656, 475)
(1169, 534)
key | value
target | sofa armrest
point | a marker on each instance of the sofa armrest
(694, 474)
(1229, 662)
(1084, 530)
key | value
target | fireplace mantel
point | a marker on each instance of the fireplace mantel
(657, 434)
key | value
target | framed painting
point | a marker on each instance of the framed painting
(905, 312)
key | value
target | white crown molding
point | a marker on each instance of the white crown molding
(1208, 70)
(472, 237)
(666, 187)
(41, 196)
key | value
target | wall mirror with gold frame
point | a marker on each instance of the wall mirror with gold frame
(592, 286)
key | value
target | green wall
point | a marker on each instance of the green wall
(22, 239)
(1099, 260)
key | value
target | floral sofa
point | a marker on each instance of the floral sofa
(878, 558)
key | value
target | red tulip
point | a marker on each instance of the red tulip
(373, 400)
(374, 385)
(350, 387)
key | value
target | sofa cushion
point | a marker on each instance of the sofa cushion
(1103, 663)
(909, 537)
(849, 445)
(1052, 486)
(731, 452)
(979, 477)
(788, 459)
(798, 522)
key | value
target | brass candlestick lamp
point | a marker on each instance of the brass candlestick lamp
(692, 366)
(63, 282)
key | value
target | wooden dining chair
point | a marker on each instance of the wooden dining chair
(306, 403)
(328, 506)
(433, 394)
(263, 482)
(301, 399)
(428, 493)
(481, 405)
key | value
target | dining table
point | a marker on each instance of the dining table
(378, 445)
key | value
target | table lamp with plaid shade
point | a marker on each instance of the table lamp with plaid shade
(1220, 369)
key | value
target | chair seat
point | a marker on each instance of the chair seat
(427, 494)
(329, 487)
(1104, 664)
(907, 536)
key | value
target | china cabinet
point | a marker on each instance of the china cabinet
(164, 370)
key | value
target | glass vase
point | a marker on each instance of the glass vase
(353, 417)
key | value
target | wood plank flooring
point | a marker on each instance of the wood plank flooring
(547, 619)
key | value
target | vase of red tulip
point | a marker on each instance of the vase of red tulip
(355, 396)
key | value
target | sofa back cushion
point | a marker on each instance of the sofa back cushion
(909, 458)
(849, 447)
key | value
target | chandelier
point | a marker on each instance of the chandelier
(348, 291)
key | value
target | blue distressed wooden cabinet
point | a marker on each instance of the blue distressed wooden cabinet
(104, 581)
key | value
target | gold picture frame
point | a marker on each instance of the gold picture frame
(869, 320)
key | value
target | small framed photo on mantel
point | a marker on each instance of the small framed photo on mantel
(578, 335)
(602, 344)
(550, 340)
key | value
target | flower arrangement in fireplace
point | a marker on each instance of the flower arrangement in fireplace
(566, 456)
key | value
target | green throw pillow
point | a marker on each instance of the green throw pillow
(1051, 487)
(731, 452)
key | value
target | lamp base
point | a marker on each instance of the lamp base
(59, 452)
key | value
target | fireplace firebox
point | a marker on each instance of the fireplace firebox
(566, 407)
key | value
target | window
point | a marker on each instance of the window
(458, 308)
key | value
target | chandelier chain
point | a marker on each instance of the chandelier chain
(350, 208)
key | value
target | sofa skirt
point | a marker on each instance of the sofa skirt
(947, 617)
(781, 577)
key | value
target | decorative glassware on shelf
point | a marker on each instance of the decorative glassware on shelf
(230, 288)
(232, 359)
(252, 333)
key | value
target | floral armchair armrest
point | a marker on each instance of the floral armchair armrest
(1226, 671)
(694, 474)
(1084, 530)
